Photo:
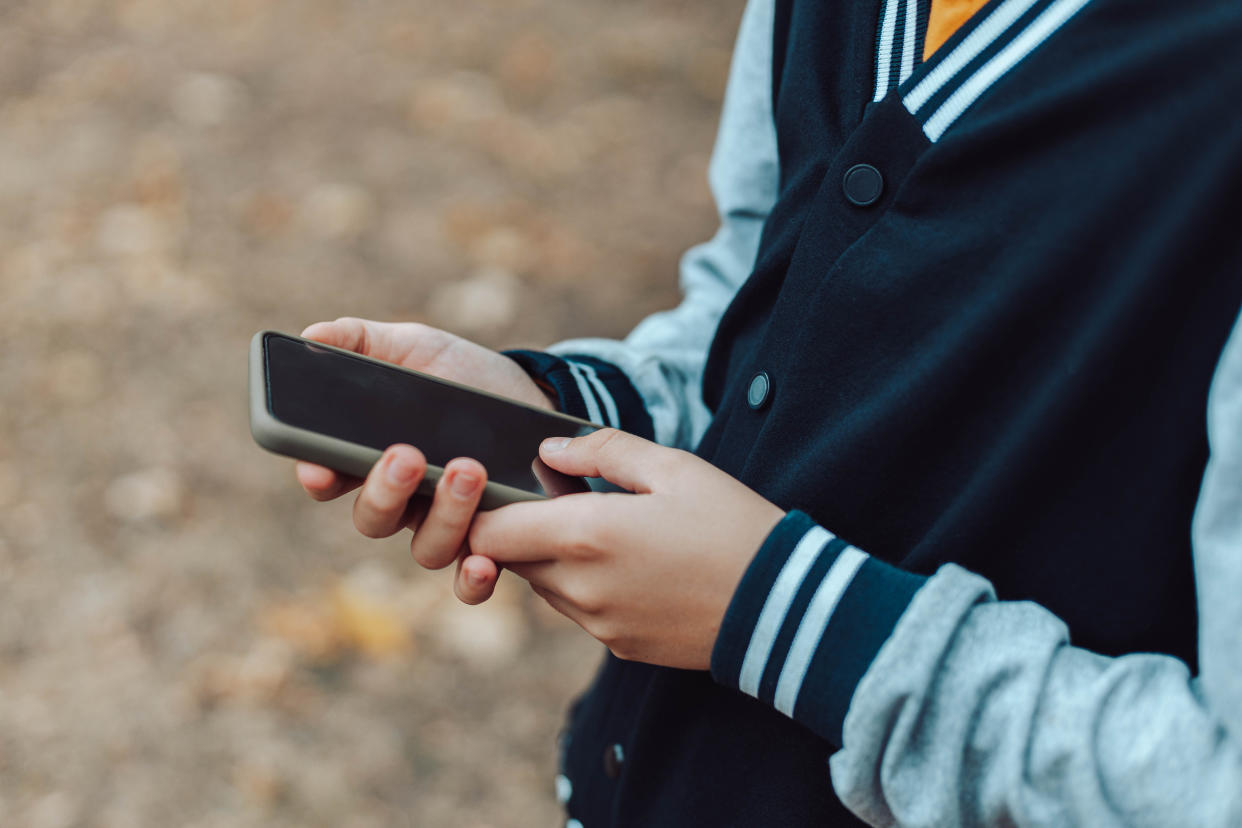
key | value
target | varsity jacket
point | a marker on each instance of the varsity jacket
(963, 318)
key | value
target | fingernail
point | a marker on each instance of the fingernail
(463, 484)
(554, 443)
(399, 471)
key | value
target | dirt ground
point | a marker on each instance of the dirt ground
(185, 639)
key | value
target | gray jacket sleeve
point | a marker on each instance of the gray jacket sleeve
(663, 357)
(955, 709)
(981, 713)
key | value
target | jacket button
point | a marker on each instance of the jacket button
(863, 185)
(614, 760)
(757, 393)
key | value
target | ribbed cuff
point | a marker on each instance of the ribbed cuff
(589, 388)
(806, 622)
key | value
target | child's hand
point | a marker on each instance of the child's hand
(649, 574)
(381, 507)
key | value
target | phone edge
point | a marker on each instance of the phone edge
(343, 455)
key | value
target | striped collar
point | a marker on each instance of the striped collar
(980, 53)
(899, 42)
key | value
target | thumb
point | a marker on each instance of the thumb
(624, 459)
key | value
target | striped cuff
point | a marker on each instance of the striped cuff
(589, 388)
(806, 622)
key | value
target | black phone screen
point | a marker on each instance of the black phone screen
(371, 404)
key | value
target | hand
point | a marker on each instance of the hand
(649, 574)
(383, 506)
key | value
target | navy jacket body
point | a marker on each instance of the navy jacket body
(1002, 361)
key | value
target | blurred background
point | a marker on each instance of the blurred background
(185, 639)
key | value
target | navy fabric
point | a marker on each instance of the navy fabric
(760, 576)
(1003, 363)
(861, 622)
(784, 638)
(860, 625)
(554, 373)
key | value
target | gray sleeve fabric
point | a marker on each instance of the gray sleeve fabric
(977, 712)
(663, 357)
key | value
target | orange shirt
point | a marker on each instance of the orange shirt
(945, 18)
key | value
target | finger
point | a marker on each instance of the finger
(323, 483)
(443, 532)
(536, 530)
(621, 458)
(380, 509)
(476, 578)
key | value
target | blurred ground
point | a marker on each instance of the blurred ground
(184, 638)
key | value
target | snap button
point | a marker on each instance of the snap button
(863, 185)
(614, 760)
(758, 392)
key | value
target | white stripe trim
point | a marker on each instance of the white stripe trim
(884, 58)
(907, 51)
(991, 28)
(776, 607)
(584, 388)
(1041, 27)
(814, 622)
(610, 405)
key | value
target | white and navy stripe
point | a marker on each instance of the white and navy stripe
(807, 620)
(899, 41)
(794, 615)
(980, 54)
(589, 388)
(601, 407)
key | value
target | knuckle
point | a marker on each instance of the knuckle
(419, 554)
(589, 601)
(621, 649)
(370, 520)
(579, 541)
(611, 637)
(431, 555)
(608, 439)
(368, 530)
(594, 530)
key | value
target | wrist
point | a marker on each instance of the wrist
(551, 400)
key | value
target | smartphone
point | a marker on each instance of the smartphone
(339, 409)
